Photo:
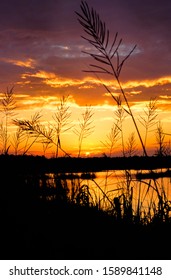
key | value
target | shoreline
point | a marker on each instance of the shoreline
(39, 164)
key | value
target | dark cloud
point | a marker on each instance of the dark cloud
(48, 32)
(29, 14)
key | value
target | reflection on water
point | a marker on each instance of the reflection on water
(117, 188)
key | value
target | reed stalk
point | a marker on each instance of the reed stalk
(85, 128)
(8, 104)
(106, 53)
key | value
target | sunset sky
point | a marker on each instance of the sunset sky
(41, 56)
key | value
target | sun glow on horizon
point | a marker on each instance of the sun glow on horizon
(41, 92)
(103, 118)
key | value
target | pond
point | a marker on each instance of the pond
(144, 192)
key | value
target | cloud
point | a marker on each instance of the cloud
(41, 48)
(29, 63)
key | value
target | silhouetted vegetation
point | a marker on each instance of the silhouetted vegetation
(41, 164)
(49, 210)
(44, 217)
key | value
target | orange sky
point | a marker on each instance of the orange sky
(103, 109)
(43, 59)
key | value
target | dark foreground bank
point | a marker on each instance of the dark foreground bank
(36, 225)
(35, 164)
(50, 232)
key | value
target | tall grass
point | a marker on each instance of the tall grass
(8, 110)
(132, 198)
(50, 134)
(85, 127)
(106, 53)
